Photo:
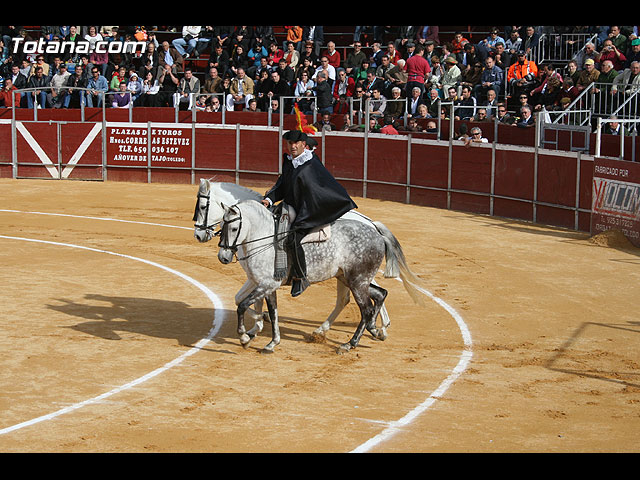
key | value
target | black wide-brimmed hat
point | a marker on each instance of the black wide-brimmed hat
(295, 136)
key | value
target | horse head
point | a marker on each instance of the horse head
(230, 233)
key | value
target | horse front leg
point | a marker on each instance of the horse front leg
(256, 314)
(272, 306)
(256, 295)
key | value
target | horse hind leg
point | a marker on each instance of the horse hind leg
(367, 318)
(378, 295)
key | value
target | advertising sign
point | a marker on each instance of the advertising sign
(156, 147)
(616, 198)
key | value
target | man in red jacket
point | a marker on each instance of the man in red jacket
(418, 70)
(7, 95)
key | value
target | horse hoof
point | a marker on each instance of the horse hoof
(381, 334)
(344, 348)
(245, 340)
(266, 351)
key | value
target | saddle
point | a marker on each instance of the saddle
(284, 215)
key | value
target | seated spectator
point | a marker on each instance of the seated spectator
(255, 54)
(397, 75)
(122, 99)
(633, 54)
(475, 137)
(241, 91)
(587, 53)
(414, 101)
(526, 118)
(134, 86)
(588, 75)
(98, 87)
(8, 97)
(278, 88)
(188, 87)
(41, 83)
(117, 79)
(458, 43)
(286, 72)
(614, 127)
(168, 55)
(325, 123)
(452, 74)
(354, 60)
(395, 105)
(187, 43)
(168, 82)
(522, 75)
(628, 78)
(465, 108)
(239, 59)
(491, 103)
(412, 126)
(432, 101)
(393, 54)
(150, 89)
(213, 82)
(214, 104)
(492, 78)
(341, 107)
(480, 116)
(327, 69)
(333, 55)
(377, 103)
(503, 116)
(219, 58)
(611, 53)
(274, 55)
(57, 83)
(294, 39)
(292, 56)
(252, 106)
(422, 113)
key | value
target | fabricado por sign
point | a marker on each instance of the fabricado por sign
(57, 47)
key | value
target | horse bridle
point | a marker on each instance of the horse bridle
(224, 234)
(203, 225)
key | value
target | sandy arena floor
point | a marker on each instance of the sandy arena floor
(529, 343)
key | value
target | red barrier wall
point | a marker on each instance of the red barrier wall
(397, 168)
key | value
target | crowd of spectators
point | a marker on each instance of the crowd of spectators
(406, 73)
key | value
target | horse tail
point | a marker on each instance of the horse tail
(396, 264)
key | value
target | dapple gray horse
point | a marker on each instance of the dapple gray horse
(208, 214)
(353, 253)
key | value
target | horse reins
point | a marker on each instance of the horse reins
(223, 233)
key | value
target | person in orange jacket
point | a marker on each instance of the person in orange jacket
(522, 75)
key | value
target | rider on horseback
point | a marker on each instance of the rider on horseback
(315, 195)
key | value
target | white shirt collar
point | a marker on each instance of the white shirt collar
(304, 157)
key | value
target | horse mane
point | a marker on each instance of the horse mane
(240, 193)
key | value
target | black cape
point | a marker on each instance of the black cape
(312, 191)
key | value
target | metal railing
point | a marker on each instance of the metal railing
(561, 47)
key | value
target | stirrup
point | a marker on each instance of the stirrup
(298, 285)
